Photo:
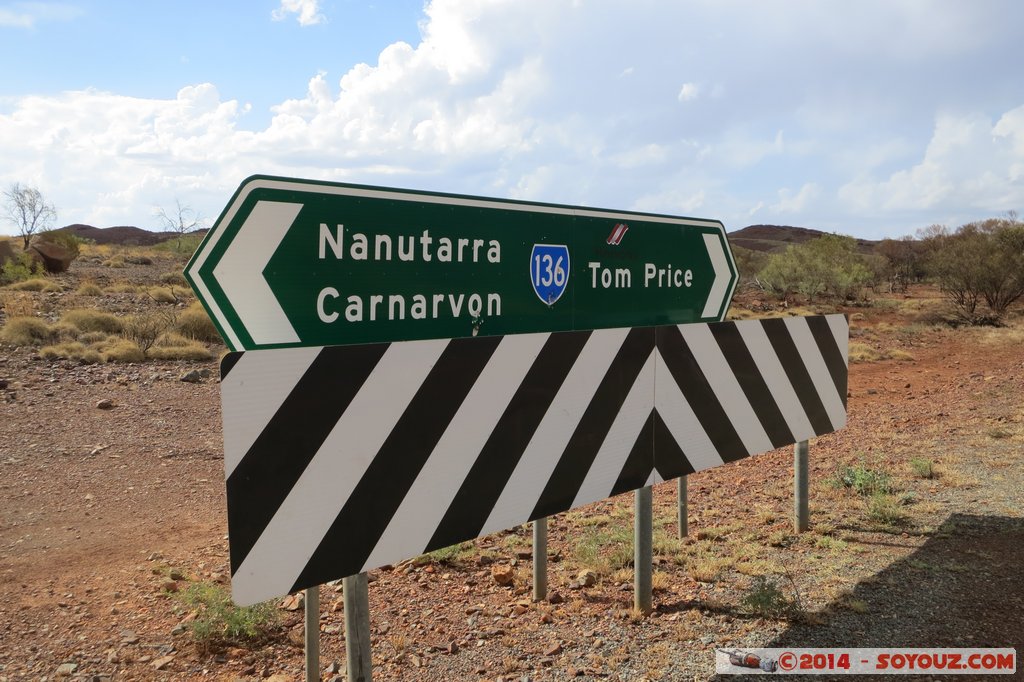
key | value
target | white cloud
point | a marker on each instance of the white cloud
(969, 163)
(557, 100)
(308, 12)
(688, 92)
(28, 14)
(790, 204)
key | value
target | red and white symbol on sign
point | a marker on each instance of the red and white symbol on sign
(618, 232)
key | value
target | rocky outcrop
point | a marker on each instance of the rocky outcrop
(54, 256)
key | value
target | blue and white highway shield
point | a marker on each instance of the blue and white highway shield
(549, 271)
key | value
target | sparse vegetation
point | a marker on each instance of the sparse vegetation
(922, 467)
(862, 480)
(765, 598)
(219, 623)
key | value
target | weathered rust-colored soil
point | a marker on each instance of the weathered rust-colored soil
(98, 506)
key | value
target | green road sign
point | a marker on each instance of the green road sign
(303, 263)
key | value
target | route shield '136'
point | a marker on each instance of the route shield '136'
(302, 263)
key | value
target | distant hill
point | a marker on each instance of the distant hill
(778, 237)
(124, 235)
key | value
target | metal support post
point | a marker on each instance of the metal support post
(357, 628)
(540, 559)
(643, 557)
(684, 527)
(801, 513)
(312, 638)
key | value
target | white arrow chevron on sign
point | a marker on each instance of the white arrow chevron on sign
(240, 272)
(720, 289)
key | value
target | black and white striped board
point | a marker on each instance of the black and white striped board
(346, 458)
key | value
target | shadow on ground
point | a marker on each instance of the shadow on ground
(963, 588)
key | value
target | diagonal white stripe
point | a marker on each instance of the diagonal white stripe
(425, 505)
(253, 392)
(289, 540)
(841, 330)
(816, 367)
(726, 388)
(681, 421)
(625, 430)
(524, 487)
(775, 378)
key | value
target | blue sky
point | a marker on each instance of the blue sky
(874, 118)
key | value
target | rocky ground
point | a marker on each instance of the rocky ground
(112, 512)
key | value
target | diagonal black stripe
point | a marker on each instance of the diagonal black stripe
(479, 492)
(639, 462)
(262, 480)
(366, 514)
(669, 458)
(228, 363)
(754, 387)
(698, 393)
(586, 440)
(834, 360)
(789, 356)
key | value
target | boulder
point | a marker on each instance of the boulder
(54, 257)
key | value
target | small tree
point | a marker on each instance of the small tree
(182, 219)
(981, 262)
(27, 210)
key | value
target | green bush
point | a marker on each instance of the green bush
(20, 268)
(26, 331)
(829, 265)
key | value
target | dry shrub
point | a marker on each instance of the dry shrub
(146, 328)
(35, 284)
(861, 352)
(26, 331)
(190, 350)
(114, 262)
(162, 295)
(122, 288)
(194, 323)
(65, 332)
(89, 289)
(93, 321)
(89, 338)
(17, 304)
(174, 279)
(123, 350)
(72, 350)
